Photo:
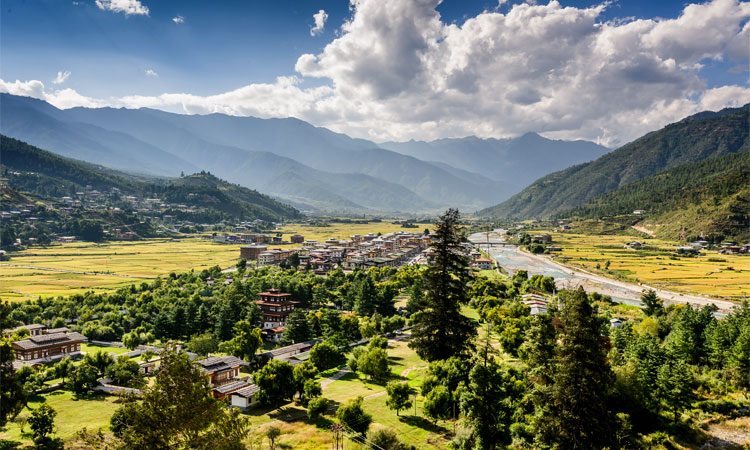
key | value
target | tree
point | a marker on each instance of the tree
(739, 359)
(374, 362)
(84, 378)
(180, 411)
(438, 403)
(276, 382)
(303, 374)
(272, 433)
(385, 439)
(325, 355)
(12, 394)
(439, 329)
(353, 416)
(399, 394)
(673, 384)
(297, 328)
(317, 407)
(126, 372)
(203, 344)
(247, 339)
(99, 360)
(42, 421)
(577, 413)
(64, 368)
(654, 306)
(489, 402)
(131, 340)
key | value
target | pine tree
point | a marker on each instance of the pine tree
(439, 329)
(577, 414)
(654, 306)
(297, 328)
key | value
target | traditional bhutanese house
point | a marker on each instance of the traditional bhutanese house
(221, 369)
(536, 302)
(48, 346)
(274, 334)
(228, 388)
(483, 264)
(246, 397)
(276, 307)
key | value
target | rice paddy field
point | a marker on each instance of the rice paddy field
(67, 269)
(711, 273)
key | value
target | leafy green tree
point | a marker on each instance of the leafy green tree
(63, 368)
(317, 407)
(326, 355)
(203, 344)
(126, 372)
(438, 403)
(739, 359)
(180, 411)
(439, 329)
(12, 394)
(374, 362)
(399, 396)
(353, 416)
(303, 373)
(654, 306)
(276, 382)
(42, 421)
(272, 433)
(247, 340)
(131, 340)
(84, 378)
(577, 414)
(385, 439)
(100, 360)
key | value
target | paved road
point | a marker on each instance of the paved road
(511, 258)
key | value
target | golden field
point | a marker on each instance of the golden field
(714, 274)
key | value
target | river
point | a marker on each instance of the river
(512, 259)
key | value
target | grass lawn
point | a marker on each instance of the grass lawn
(713, 274)
(72, 415)
(86, 348)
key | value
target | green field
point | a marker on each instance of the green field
(713, 274)
(345, 230)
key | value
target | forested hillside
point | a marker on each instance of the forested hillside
(33, 170)
(702, 198)
(693, 139)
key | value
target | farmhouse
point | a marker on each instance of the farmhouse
(246, 397)
(47, 347)
(483, 263)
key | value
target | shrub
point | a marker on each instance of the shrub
(317, 407)
(353, 416)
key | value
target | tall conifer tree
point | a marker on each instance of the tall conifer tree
(439, 329)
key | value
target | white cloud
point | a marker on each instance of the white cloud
(126, 7)
(178, 19)
(151, 73)
(61, 77)
(320, 22)
(397, 71)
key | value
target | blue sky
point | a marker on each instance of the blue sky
(224, 45)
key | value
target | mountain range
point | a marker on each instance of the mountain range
(312, 168)
(693, 139)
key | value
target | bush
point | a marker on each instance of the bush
(317, 407)
(325, 355)
(353, 416)
(385, 438)
(378, 341)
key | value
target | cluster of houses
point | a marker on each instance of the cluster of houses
(392, 249)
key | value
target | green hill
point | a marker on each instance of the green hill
(35, 171)
(694, 139)
(709, 197)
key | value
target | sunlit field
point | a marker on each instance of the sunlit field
(711, 273)
(345, 230)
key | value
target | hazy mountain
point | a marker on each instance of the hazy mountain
(163, 148)
(516, 162)
(315, 147)
(47, 174)
(694, 139)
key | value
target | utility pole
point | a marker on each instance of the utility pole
(338, 437)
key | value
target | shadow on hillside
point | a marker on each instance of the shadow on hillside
(421, 422)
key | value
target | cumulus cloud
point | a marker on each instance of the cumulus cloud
(62, 98)
(61, 77)
(126, 7)
(397, 71)
(178, 19)
(151, 73)
(320, 22)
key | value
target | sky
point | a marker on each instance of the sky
(390, 69)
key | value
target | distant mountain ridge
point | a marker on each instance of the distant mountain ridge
(313, 168)
(49, 175)
(690, 140)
